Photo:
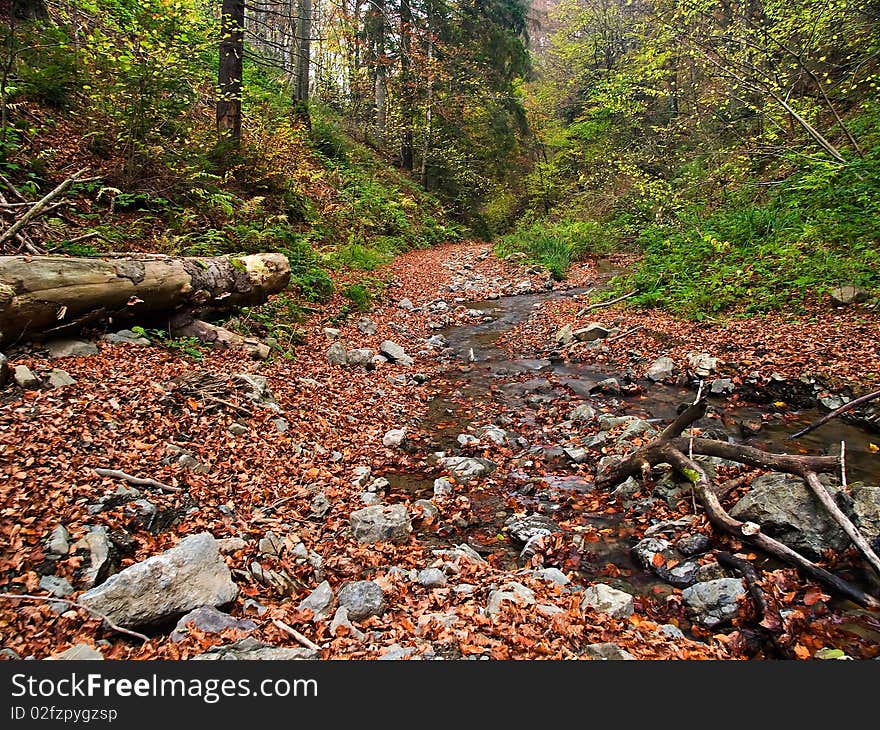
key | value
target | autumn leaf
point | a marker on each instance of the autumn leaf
(657, 560)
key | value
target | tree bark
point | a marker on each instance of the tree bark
(44, 293)
(406, 102)
(230, 71)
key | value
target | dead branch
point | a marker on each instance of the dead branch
(748, 573)
(137, 481)
(835, 413)
(627, 333)
(598, 305)
(39, 207)
(305, 641)
(52, 599)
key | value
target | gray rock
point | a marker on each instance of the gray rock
(4, 370)
(319, 602)
(692, 544)
(56, 585)
(442, 488)
(229, 545)
(553, 575)
(606, 652)
(714, 602)
(432, 578)
(125, 337)
(722, 386)
(337, 354)
(702, 363)
(78, 652)
(711, 571)
(394, 438)
(363, 599)
(258, 391)
(662, 368)
(845, 295)
(58, 542)
(645, 550)
(510, 592)
(592, 332)
(271, 544)
(370, 499)
(609, 385)
(211, 621)
(97, 542)
(24, 377)
(497, 436)
(320, 505)
(361, 357)
(866, 509)
(395, 353)
(584, 412)
(381, 524)
(628, 489)
(71, 348)
(60, 378)
(250, 649)
(189, 575)
(237, 429)
(671, 631)
(577, 455)
(605, 599)
(564, 336)
(395, 652)
(464, 468)
(436, 342)
(406, 305)
(331, 333)
(367, 326)
(788, 510)
(529, 527)
(281, 424)
(428, 508)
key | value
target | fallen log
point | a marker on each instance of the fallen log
(40, 293)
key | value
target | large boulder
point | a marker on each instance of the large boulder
(381, 524)
(714, 602)
(605, 599)
(189, 575)
(592, 332)
(788, 510)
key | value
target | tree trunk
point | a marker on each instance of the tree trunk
(48, 293)
(406, 103)
(230, 71)
(304, 49)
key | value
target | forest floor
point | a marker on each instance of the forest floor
(277, 484)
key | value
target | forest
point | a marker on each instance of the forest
(439, 329)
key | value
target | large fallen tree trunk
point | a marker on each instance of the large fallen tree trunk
(40, 294)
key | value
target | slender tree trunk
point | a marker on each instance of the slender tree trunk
(304, 31)
(230, 71)
(429, 106)
(406, 101)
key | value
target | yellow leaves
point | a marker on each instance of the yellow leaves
(801, 651)
(873, 448)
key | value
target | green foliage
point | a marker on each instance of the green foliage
(277, 319)
(362, 294)
(186, 346)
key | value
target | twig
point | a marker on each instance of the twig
(39, 208)
(590, 308)
(305, 641)
(843, 465)
(621, 335)
(52, 599)
(242, 411)
(835, 413)
(13, 189)
(137, 481)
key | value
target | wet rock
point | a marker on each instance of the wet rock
(789, 511)
(714, 602)
(510, 592)
(319, 602)
(363, 599)
(846, 295)
(60, 378)
(78, 652)
(722, 386)
(395, 353)
(592, 332)
(97, 543)
(661, 368)
(583, 413)
(58, 542)
(609, 385)
(866, 509)
(24, 377)
(360, 357)
(394, 438)
(209, 620)
(250, 649)
(692, 544)
(605, 599)
(56, 585)
(367, 326)
(432, 578)
(524, 529)
(331, 333)
(337, 354)
(564, 336)
(606, 652)
(381, 524)
(645, 550)
(189, 575)
(710, 571)
(464, 468)
(71, 348)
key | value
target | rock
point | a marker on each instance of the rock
(60, 378)
(627, 490)
(361, 357)
(281, 424)
(320, 505)
(319, 602)
(711, 571)
(432, 578)
(58, 542)
(436, 342)
(584, 412)
(866, 506)
(592, 332)
(24, 378)
(845, 295)
(211, 621)
(362, 598)
(564, 337)
(609, 385)
(189, 575)
(125, 337)
(662, 368)
(692, 545)
(442, 488)
(605, 599)
(722, 386)
(428, 508)
(464, 468)
(395, 353)
(513, 592)
(577, 455)
(466, 439)
(702, 363)
(645, 550)
(4, 370)
(714, 602)
(381, 524)
(56, 586)
(229, 545)
(337, 354)
(367, 326)
(396, 652)
(271, 544)
(78, 652)
(526, 528)
(394, 438)
(258, 390)
(406, 305)
(670, 631)
(71, 348)
(250, 649)
(370, 499)
(237, 429)
(788, 510)
(331, 333)
(497, 436)
(97, 542)
(553, 575)
(606, 652)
